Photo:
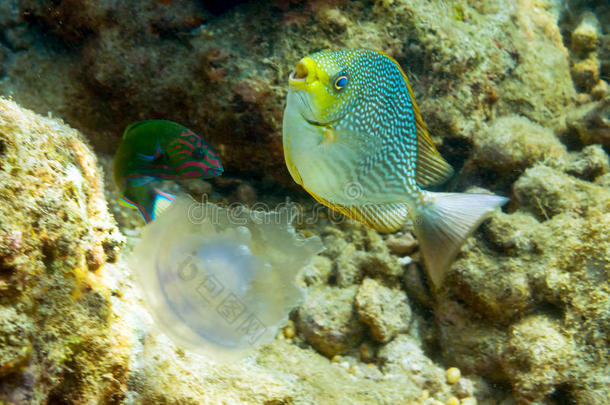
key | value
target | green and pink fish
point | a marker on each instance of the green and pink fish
(159, 150)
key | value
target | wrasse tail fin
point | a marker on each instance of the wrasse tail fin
(150, 201)
(131, 203)
(161, 202)
(442, 226)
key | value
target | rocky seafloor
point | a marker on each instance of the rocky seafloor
(516, 96)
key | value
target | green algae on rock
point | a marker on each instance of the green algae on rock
(15, 340)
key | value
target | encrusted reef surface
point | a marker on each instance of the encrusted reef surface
(73, 329)
(55, 235)
(515, 95)
(225, 76)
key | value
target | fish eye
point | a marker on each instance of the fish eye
(340, 82)
(199, 153)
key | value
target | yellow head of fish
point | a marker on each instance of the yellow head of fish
(325, 87)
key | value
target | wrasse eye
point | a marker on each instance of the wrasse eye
(199, 153)
(340, 82)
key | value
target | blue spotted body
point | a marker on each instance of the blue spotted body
(355, 140)
(380, 109)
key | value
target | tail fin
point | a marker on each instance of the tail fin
(161, 202)
(444, 224)
(150, 201)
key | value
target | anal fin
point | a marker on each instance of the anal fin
(383, 217)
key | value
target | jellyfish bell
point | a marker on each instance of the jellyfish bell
(221, 282)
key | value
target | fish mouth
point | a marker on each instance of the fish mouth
(296, 77)
(320, 124)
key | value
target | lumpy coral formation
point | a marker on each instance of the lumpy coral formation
(55, 233)
(543, 317)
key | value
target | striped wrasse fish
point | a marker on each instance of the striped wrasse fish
(159, 150)
(355, 140)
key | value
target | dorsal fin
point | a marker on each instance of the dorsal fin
(431, 168)
(132, 126)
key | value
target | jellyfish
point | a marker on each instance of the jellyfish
(218, 281)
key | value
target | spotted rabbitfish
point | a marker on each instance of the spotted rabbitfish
(355, 140)
(159, 150)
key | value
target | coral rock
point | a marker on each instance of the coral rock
(528, 302)
(513, 143)
(586, 72)
(386, 311)
(600, 90)
(415, 285)
(543, 192)
(15, 340)
(54, 228)
(402, 245)
(537, 357)
(504, 299)
(589, 163)
(591, 122)
(330, 329)
(585, 38)
(318, 272)
(404, 355)
(358, 251)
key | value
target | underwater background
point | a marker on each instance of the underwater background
(515, 95)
